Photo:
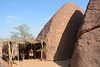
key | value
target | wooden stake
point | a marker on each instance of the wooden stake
(9, 53)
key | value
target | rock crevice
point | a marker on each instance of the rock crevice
(86, 31)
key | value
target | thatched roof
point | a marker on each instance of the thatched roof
(24, 41)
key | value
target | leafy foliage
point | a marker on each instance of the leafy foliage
(23, 32)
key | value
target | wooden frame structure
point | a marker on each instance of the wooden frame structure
(11, 55)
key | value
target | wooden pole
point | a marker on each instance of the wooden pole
(35, 51)
(42, 50)
(23, 54)
(18, 54)
(9, 53)
(11, 56)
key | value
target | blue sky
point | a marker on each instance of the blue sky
(34, 13)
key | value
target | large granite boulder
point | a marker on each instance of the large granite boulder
(87, 48)
(60, 32)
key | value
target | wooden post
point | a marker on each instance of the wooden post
(18, 54)
(23, 54)
(35, 51)
(9, 54)
(42, 50)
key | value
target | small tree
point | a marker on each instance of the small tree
(23, 32)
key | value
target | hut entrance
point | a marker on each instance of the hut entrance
(36, 50)
(32, 50)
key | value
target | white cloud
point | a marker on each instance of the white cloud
(12, 18)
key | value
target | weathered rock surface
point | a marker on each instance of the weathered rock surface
(60, 32)
(92, 17)
(87, 48)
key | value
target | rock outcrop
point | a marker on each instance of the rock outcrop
(60, 32)
(87, 48)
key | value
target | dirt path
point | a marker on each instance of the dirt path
(37, 63)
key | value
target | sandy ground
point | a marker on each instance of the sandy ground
(35, 63)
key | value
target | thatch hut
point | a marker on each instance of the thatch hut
(19, 49)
